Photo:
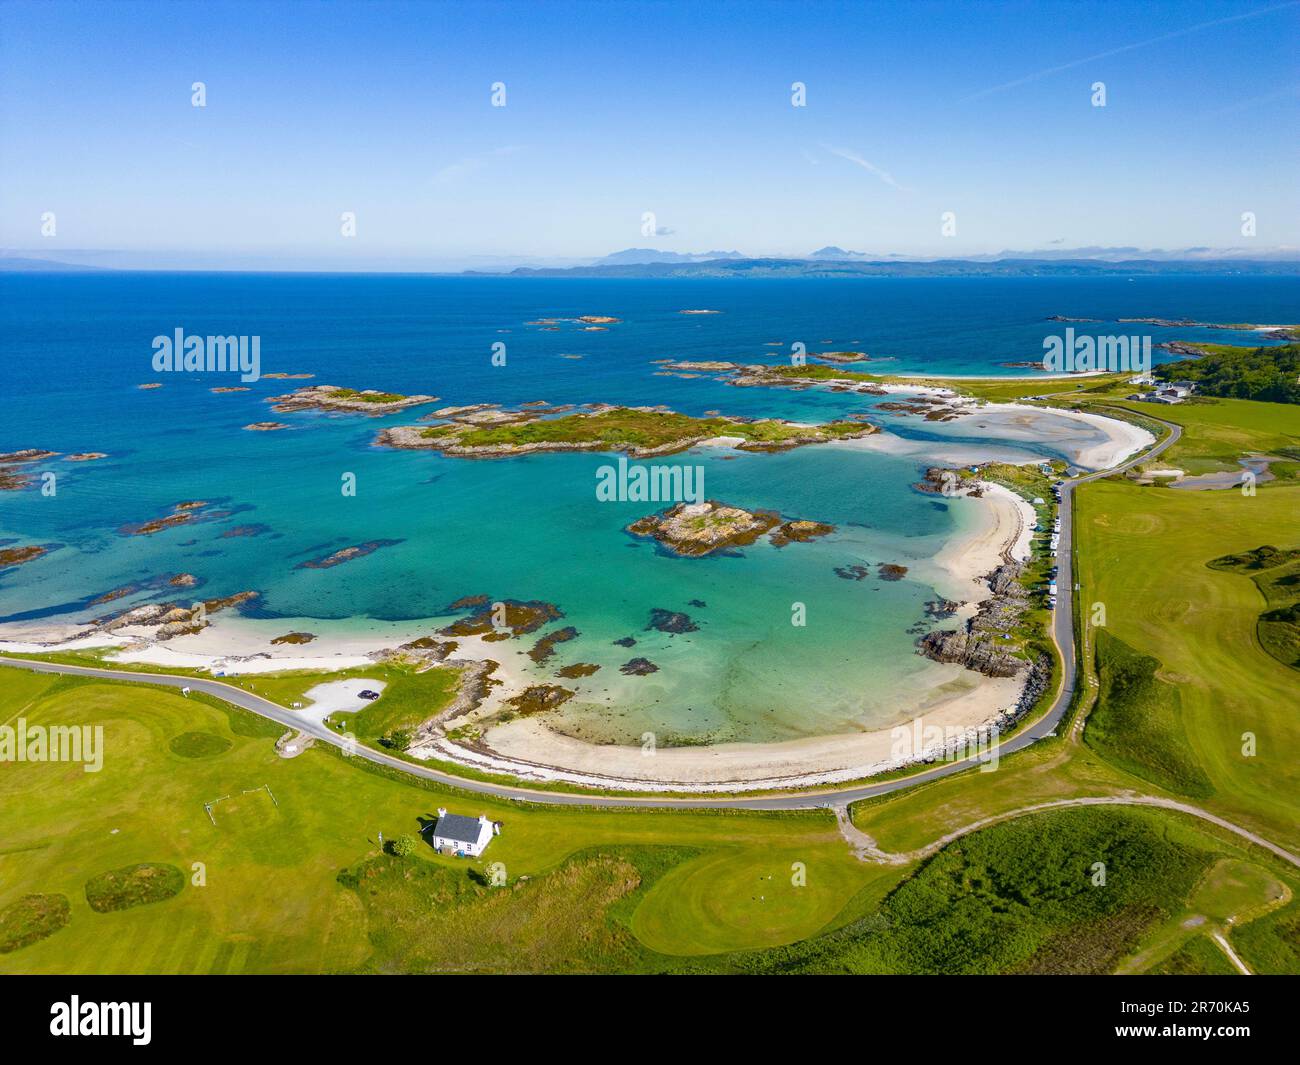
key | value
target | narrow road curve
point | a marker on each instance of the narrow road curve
(1233, 957)
(866, 848)
(1062, 634)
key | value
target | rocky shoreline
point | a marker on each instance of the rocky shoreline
(977, 646)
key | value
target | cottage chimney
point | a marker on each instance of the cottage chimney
(442, 811)
(482, 819)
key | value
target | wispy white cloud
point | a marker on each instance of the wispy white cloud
(868, 166)
(1046, 71)
(472, 164)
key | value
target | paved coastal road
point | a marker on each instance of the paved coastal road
(1063, 619)
(1063, 634)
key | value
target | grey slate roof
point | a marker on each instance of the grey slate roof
(457, 827)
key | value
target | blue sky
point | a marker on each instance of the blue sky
(614, 109)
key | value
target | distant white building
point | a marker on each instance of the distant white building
(457, 834)
(1170, 392)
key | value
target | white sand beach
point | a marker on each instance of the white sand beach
(1108, 442)
(1092, 441)
(528, 749)
(1003, 526)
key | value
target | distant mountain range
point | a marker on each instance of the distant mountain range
(833, 253)
(990, 267)
(631, 256)
(830, 261)
(17, 264)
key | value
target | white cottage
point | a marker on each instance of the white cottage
(457, 834)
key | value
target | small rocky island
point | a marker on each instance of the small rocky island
(641, 432)
(697, 529)
(182, 514)
(16, 556)
(346, 554)
(12, 475)
(332, 398)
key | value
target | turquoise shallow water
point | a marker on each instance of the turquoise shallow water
(528, 528)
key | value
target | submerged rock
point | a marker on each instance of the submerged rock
(517, 618)
(295, 637)
(673, 622)
(540, 698)
(638, 667)
(545, 647)
(577, 669)
(346, 554)
(855, 572)
(16, 556)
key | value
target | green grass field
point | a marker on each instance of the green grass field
(1218, 432)
(1277, 576)
(1271, 944)
(1071, 891)
(281, 870)
(1143, 554)
(1199, 956)
(272, 900)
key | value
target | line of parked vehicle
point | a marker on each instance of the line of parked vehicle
(1054, 544)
